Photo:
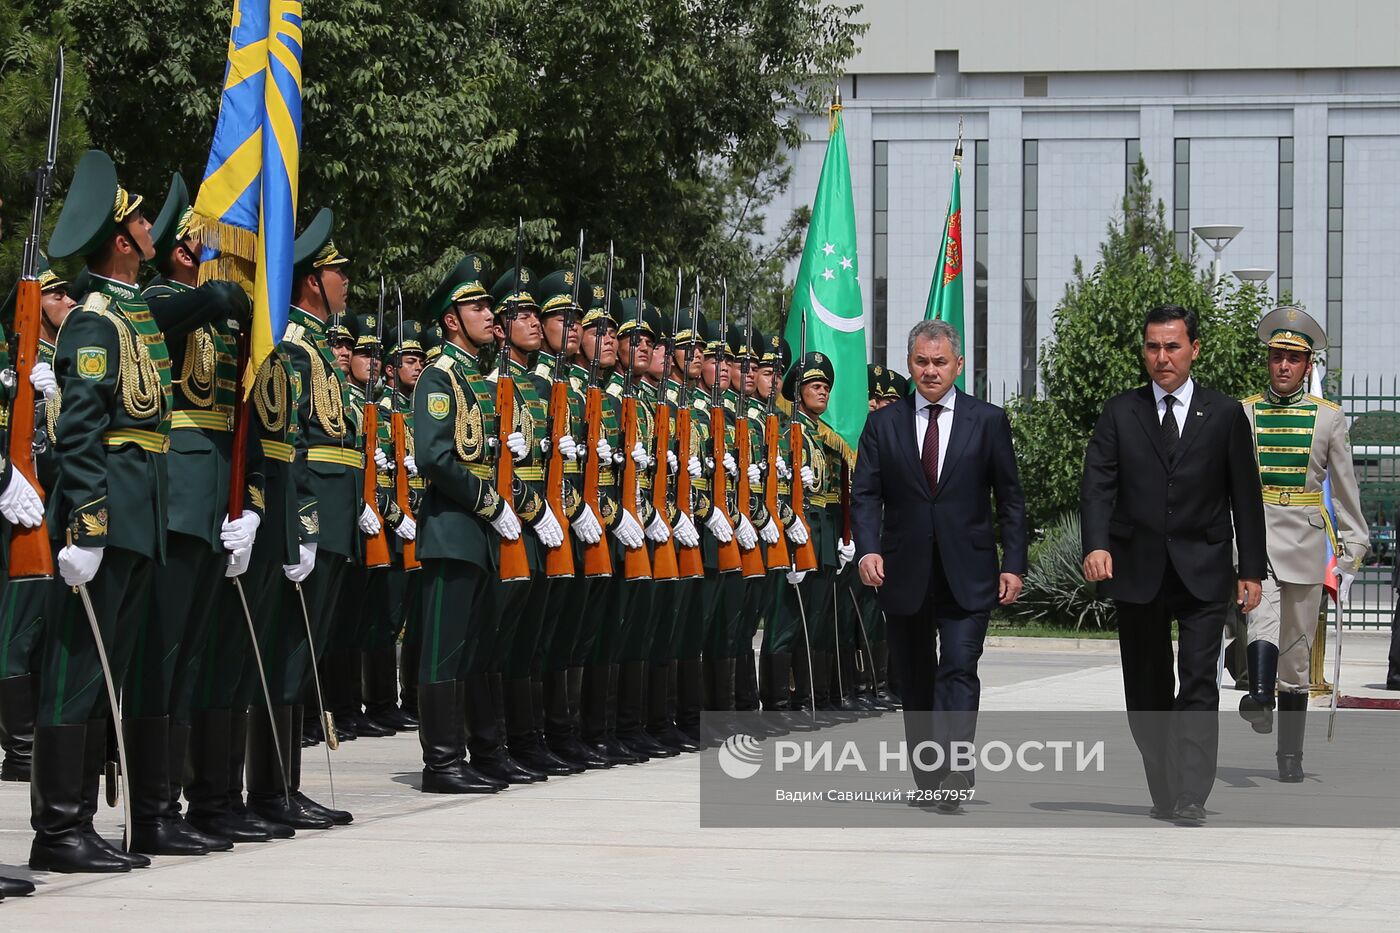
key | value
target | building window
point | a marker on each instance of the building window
(980, 200)
(1132, 152)
(1285, 216)
(1030, 183)
(879, 311)
(1181, 196)
(1336, 149)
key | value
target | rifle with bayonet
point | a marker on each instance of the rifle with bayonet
(514, 560)
(559, 561)
(751, 560)
(377, 553)
(690, 563)
(636, 562)
(729, 558)
(664, 565)
(805, 557)
(778, 556)
(597, 557)
(31, 556)
(398, 436)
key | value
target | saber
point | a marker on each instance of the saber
(836, 634)
(1336, 667)
(869, 652)
(327, 721)
(116, 710)
(807, 644)
(267, 694)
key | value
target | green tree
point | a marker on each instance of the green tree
(29, 41)
(1095, 348)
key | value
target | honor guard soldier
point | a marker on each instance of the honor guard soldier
(1299, 440)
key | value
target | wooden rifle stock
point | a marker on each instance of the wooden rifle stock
(31, 556)
(398, 432)
(597, 557)
(515, 562)
(805, 558)
(778, 556)
(377, 545)
(729, 552)
(690, 563)
(751, 560)
(636, 563)
(664, 565)
(558, 561)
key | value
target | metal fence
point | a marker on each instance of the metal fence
(1372, 407)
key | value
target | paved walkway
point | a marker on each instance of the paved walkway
(622, 850)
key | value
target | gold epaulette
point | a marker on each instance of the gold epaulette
(96, 302)
(443, 362)
(1253, 399)
(783, 405)
(293, 333)
(1323, 401)
(544, 370)
(614, 389)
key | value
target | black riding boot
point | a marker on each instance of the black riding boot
(1292, 722)
(337, 817)
(270, 787)
(63, 838)
(441, 736)
(525, 703)
(1257, 706)
(16, 726)
(210, 809)
(690, 697)
(237, 754)
(486, 734)
(153, 830)
(563, 693)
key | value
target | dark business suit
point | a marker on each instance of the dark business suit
(1168, 522)
(942, 575)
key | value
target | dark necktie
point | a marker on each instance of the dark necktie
(1171, 434)
(930, 452)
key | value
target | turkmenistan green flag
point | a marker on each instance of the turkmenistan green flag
(945, 293)
(827, 292)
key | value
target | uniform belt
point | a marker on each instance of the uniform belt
(276, 450)
(415, 482)
(150, 441)
(607, 476)
(530, 474)
(572, 468)
(480, 470)
(342, 455)
(1283, 495)
(207, 420)
(4, 417)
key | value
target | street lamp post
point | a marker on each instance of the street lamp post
(1217, 237)
(1259, 277)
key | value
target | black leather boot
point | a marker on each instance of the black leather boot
(1257, 706)
(379, 674)
(745, 683)
(237, 753)
(409, 659)
(884, 689)
(525, 730)
(1292, 722)
(540, 753)
(15, 887)
(16, 726)
(100, 746)
(851, 700)
(632, 683)
(210, 811)
(690, 697)
(441, 737)
(661, 709)
(153, 830)
(269, 789)
(596, 712)
(337, 817)
(562, 695)
(179, 770)
(486, 735)
(62, 842)
(720, 705)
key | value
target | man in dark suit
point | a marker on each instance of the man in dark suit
(1169, 479)
(921, 513)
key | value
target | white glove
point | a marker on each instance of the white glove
(381, 460)
(657, 530)
(628, 531)
(568, 448)
(604, 450)
(79, 564)
(769, 532)
(730, 466)
(410, 464)
(797, 533)
(755, 474)
(1344, 588)
(796, 576)
(784, 471)
(408, 529)
(238, 534)
(672, 465)
(586, 527)
(846, 551)
(748, 538)
(369, 522)
(639, 455)
(507, 525)
(238, 562)
(719, 526)
(809, 479)
(306, 562)
(692, 467)
(41, 377)
(515, 443)
(685, 532)
(548, 529)
(20, 504)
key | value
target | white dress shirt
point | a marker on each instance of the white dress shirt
(922, 406)
(1182, 406)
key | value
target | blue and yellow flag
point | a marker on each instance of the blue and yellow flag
(246, 211)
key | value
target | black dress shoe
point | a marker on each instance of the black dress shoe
(164, 836)
(134, 859)
(370, 728)
(643, 744)
(273, 829)
(393, 718)
(338, 817)
(675, 739)
(75, 853)
(15, 887)
(613, 750)
(1188, 812)
(575, 751)
(952, 790)
(1161, 813)
(507, 769)
(461, 778)
(540, 758)
(274, 809)
(228, 826)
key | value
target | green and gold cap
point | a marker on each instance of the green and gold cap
(814, 367)
(172, 224)
(47, 279)
(556, 292)
(629, 318)
(522, 297)
(898, 386)
(466, 282)
(432, 340)
(1291, 328)
(737, 348)
(775, 352)
(876, 380)
(597, 315)
(364, 329)
(412, 338)
(338, 329)
(684, 336)
(95, 207)
(714, 346)
(314, 249)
